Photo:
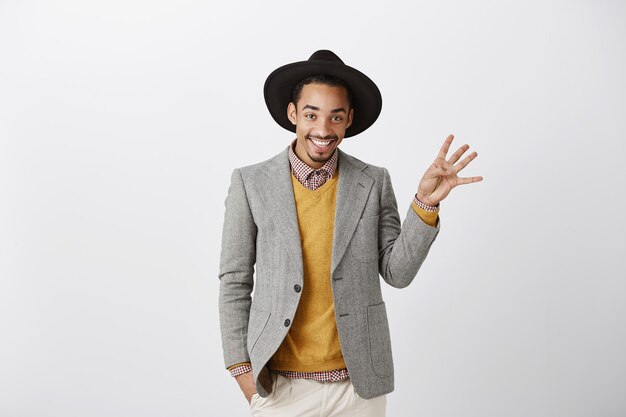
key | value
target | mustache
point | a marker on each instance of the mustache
(328, 137)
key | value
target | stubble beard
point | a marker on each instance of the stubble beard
(320, 160)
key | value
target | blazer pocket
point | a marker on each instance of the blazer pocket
(380, 340)
(364, 244)
(256, 323)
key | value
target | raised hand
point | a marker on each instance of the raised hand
(441, 176)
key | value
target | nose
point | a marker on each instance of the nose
(323, 127)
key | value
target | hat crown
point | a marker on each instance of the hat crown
(325, 55)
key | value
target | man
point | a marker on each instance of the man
(321, 227)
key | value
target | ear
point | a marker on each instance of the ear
(350, 115)
(291, 112)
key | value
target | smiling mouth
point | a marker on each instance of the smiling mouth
(321, 143)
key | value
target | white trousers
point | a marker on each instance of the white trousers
(307, 398)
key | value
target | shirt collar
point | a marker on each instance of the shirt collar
(302, 170)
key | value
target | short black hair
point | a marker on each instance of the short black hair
(320, 79)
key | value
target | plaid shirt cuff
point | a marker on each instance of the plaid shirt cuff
(425, 206)
(240, 370)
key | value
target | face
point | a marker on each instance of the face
(321, 116)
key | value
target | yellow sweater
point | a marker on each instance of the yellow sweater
(312, 343)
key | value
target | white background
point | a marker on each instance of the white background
(121, 122)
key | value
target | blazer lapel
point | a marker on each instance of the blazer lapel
(353, 189)
(277, 194)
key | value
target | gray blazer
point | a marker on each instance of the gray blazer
(261, 228)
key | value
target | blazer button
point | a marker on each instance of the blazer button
(297, 288)
(287, 323)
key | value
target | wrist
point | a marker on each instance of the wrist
(425, 203)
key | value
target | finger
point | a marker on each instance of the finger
(468, 180)
(458, 167)
(445, 147)
(457, 155)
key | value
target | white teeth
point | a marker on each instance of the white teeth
(321, 144)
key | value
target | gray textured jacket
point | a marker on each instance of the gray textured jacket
(261, 228)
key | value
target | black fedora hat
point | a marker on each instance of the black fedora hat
(366, 99)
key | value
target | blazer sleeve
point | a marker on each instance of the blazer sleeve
(237, 259)
(402, 248)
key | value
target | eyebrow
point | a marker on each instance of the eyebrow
(337, 110)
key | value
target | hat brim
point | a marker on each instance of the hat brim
(366, 98)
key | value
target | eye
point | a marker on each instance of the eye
(309, 116)
(337, 118)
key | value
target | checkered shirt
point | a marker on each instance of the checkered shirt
(425, 206)
(321, 376)
(240, 370)
(311, 178)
